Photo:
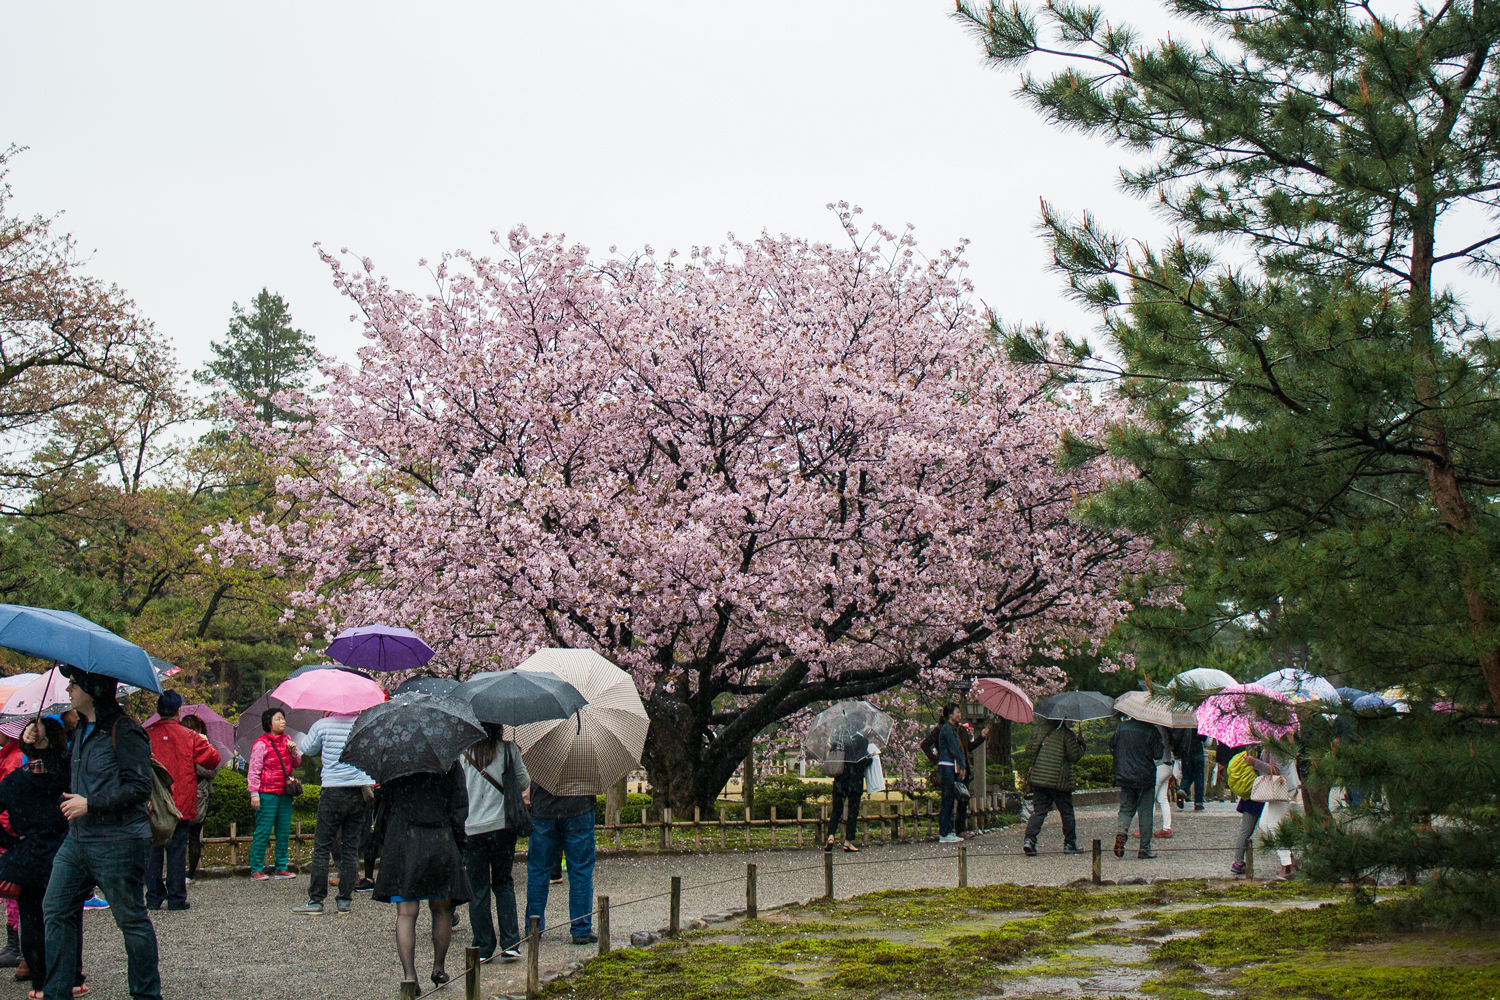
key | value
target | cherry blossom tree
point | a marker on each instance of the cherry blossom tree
(763, 478)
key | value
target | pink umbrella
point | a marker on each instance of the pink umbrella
(47, 695)
(330, 691)
(1232, 719)
(1003, 698)
(220, 729)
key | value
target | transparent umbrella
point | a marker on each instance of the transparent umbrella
(845, 731)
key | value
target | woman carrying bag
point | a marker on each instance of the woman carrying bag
(272, 792)
(494, 776)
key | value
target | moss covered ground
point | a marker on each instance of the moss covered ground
(1170, 941)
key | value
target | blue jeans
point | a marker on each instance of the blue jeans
(118, 868)
(489, 859)
(169, 885)
(574, 837)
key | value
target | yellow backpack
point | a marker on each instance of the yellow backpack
(1240, 776)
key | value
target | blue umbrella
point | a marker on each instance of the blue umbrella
(1369, 701)
(1351, 695)
(63, 637)
(379, 647)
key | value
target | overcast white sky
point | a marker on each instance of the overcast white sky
(199, 150)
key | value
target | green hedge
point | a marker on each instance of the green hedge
(630, 812)
(230, 803)
(1095, 771)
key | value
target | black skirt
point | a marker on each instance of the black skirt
(421, 829)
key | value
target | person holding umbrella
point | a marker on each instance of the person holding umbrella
(1054, 749)
(1136, 746)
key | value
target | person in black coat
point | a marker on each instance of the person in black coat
(420, 831)
(33, 795)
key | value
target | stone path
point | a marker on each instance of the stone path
(240, 940)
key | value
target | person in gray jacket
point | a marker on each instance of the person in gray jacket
(108, 842)
(492, 766)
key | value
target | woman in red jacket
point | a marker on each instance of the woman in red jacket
(272, 759)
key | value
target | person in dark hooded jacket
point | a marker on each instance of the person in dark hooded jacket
(1136, 747)
(108, 842)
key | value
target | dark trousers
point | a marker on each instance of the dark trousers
(1042, 801)
(195, 848)
(961, 811)
(367, 846)
(947, 778)
(846, 796)
(1138, 804)
(340, 812)
(490, 859)
(1195, 776)
(118, 867)
(166, 879)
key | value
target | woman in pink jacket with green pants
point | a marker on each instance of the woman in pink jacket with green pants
(271, 761)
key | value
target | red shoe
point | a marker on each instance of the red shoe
(259, 877)
(1163, 833)
(286, 874)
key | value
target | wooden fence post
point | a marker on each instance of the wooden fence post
(799, 828)
(963, 866)
(828, 875)
(604, 925)
(723, 837)
(234, 849)
(533, 956)
(408, 989)
(773, 826)
(697, 832)
(674, 921)
(471, 973)
(752, 911)
(1098, 862)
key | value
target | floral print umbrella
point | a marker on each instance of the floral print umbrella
(1236, 717)
(413, 733)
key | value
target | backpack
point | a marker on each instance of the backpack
(161, 810)
(1240, 776)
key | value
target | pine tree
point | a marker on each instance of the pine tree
(262, 355)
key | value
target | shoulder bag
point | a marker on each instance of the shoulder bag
(293, 786)
(517, 818)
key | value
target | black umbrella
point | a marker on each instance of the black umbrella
(516, 697)
(435, 686)
(411, 734)
(1076, 706)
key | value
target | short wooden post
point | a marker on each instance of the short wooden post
(828, 875)
(666, 827)
(773, 826)
(603, 925)
(533, 956)
(900, 820)
(963, 866)
(752, 911)
(234, 848)
(1098, 862)
(408, 989)
(723, 836)
(471, 973)
(645, 831)
(799, 828)
(1250, 858)
(674, 921)
(697, 833)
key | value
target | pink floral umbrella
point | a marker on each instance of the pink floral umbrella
(1003, 698)
(330, 691)
(1236, 720)
(47, 695)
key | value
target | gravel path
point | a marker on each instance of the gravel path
(240, 940)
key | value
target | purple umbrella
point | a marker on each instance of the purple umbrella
(379, 647)
(220, 729)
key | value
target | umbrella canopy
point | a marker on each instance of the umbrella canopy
(428, 685)
(1003, 698)
(1076, 706)
(1299, 685)
(602, 743)
(1366, 702)
(1200, 680)
(47, 695)
(1158, 711)
(413, 733)
(844, 732)
(327, 666)
(1350, 695)
(163, 668)
(63, 637)
(220, 729)
(330, 691)
(1235, 719)
(518, 697)
(247, 730)
(381, 648)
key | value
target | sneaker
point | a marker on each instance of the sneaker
(283, 873)
(365, 885)
(184, 905)
(342, 905)
(1028, 848)
(585, 939)
(96, 902)
(310, 907)
(189, 881)
(510, 955)
(1145, 854)
(1238, 868)
(1198, 807)
(1072, 849)
(259, 877)
(1120, 841)
(1163, 833)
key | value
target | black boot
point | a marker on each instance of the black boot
(10, 956)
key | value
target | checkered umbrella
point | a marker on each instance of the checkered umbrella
(587, 752)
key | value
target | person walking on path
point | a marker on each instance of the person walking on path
(848, 789)
(108, 841)
(562, 825)
(420, 828)
(1168, 766)
(1053, 749)
(341, 812)
(181, 751)
(1136, 746)
(205, 796)
(495, 777)
(950, 753)
(32, 796)
(272, 759)
(1194, 773)
(1272, 813)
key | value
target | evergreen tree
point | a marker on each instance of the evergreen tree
(262, 355)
